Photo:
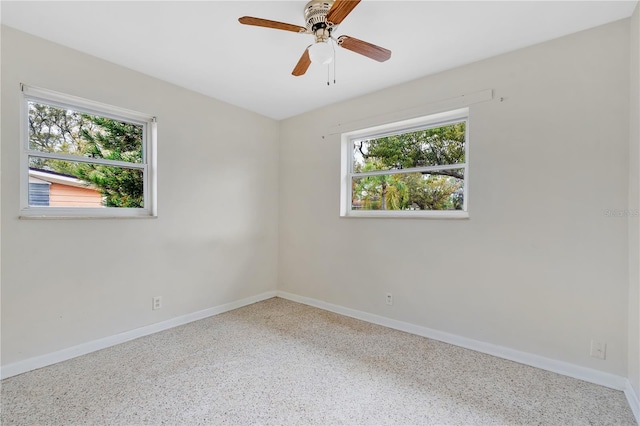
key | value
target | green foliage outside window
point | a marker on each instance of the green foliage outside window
(433, 190)
(57, 130)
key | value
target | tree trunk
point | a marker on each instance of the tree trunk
(383, 197)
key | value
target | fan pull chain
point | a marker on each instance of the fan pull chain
(333, 44)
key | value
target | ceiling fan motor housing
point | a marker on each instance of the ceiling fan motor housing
(315, 15)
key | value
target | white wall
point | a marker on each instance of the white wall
(66, 282)
(634, 206)
(538, 267)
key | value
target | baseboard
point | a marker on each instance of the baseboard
(587, 374)
(632, 399)
(95, 345)
(560, 367)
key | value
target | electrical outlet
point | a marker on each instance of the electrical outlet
(156, 303)
(598, 349)
(389, 299)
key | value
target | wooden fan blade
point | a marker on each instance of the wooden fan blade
(303, 64)
(369, 50)
(340, 10)
(259, 22)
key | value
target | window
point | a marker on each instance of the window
(85, 159)
(413, 168)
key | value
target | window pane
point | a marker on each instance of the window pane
(442, 190)
(78, 184)
(436, 146)
(66, 131)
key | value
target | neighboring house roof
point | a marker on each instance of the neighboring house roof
(33, 179)
(45, 176)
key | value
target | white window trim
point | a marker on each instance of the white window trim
(148, 165)
(433, 120)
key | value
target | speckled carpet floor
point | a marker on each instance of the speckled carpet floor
(278, 363)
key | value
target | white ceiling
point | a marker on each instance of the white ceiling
(201, 46)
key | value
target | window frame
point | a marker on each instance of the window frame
(82, 105)
(394, 128)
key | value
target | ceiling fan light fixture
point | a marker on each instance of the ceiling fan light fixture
(321, 53)
(321, 19)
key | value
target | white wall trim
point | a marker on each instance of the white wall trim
(587, 374)
(632, 399)
(95, 345)
(583, 373)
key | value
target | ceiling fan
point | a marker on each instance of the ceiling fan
(322, 17)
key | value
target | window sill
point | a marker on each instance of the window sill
(49, 217)
(85, 213)
(406, 214)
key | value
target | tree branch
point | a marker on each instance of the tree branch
(452, 173)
